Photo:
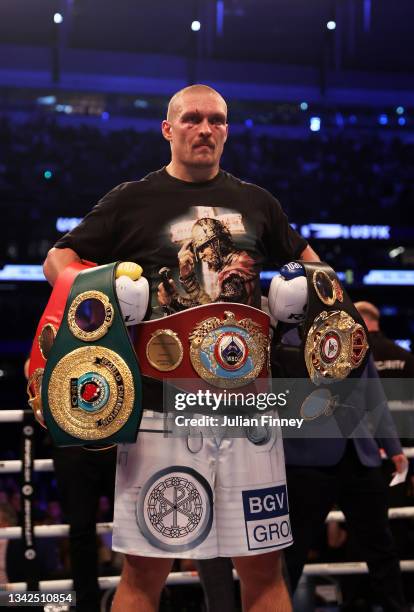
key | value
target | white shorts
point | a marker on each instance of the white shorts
(200, 497)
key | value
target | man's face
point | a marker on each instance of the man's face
(197, 130)
(210, 256)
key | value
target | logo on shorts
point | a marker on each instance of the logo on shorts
(174, 509)
(266, 515)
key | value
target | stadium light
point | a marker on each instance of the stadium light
(46, 100)
(397, 251)
(195, 26)
(57, 18)
(315, 124)
(331, 25)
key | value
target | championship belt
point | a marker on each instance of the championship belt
(91, 386)
(334, 346)
(335, 337)
(46, 333)
(226, 345)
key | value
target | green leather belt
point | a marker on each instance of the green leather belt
(91, 387)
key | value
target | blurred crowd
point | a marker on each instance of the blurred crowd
(48, 170)
(327, 177)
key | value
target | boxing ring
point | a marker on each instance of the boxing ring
(175, 578)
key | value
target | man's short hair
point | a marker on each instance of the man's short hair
(197, 88)
(368, 310)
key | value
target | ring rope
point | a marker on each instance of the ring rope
(177, 578)
(62, 530)
(13, 466)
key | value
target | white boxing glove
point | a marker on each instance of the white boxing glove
(288, 294)
(132, 291)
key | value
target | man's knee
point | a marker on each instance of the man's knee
(146, 573)
(264, 569)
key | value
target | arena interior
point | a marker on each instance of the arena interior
(320, 96)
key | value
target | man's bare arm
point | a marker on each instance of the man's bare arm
(309, 254)
(56, 261)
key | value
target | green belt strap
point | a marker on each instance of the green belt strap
(91, 388)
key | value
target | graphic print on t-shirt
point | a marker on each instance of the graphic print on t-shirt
(211, 263)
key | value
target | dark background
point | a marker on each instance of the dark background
(83, 100)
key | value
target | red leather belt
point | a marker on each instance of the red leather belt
(224, 344)
(46, 331)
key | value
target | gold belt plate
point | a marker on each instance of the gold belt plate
(91, 393)
(335, 346)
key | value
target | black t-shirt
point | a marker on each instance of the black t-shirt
(233, 228)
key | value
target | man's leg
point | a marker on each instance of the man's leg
(78, 487)
(364, 502)
(262, 584)
(141, 583)
(311, 493)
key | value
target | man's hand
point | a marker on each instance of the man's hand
(400, 462)
(336, 535)
(308, 254)
(164, 297)
(56, 261)
(186, 260)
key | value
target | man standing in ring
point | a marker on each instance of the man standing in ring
(228, 497)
